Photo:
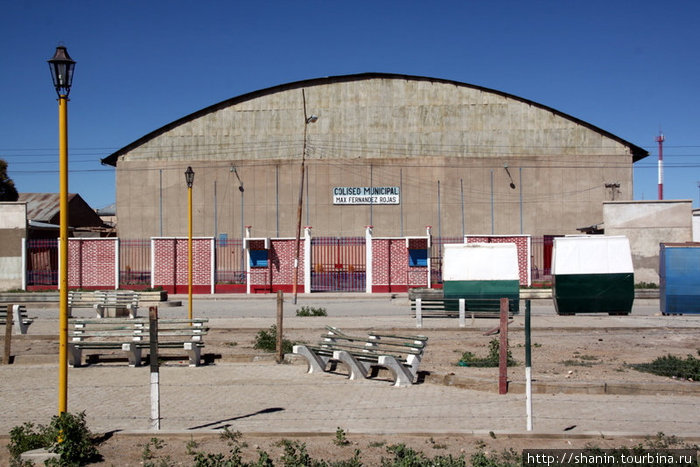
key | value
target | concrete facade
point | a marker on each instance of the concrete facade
(452, 149)
(696, 225)
(647, 224)
(13, 228)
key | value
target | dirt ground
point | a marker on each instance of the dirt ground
(561, 354)
(558, 355)
(180, 450)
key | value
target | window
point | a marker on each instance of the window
(418, 257)
(258, 258)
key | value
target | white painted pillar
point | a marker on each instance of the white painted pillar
(24, 263)
(247, 261)
(307, 259)
(116, 263)
(368, 258)
(213, 265)
(428, 232)
(153, 262)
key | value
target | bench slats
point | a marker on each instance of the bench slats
(459, 308)
(102, 300)
(132, 336)
(20, 319)
(360, 354)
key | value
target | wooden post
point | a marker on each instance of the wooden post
(155, 375)
(8, 335)
(503, 349)
(280, 330)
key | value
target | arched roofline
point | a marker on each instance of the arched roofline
(638, 153)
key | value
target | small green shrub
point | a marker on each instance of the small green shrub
(341, 438)
(66, 435)
(267, 340)
(150, 448)
(405, 456)
(646, 285)
(25, 438)
(672, 366)
(581, 360)
(506, 458)
(469, 359)
(311, 311)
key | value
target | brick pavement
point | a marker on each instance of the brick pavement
(265, 397)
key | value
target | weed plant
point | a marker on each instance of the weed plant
(341, 438)
(66, 435)
(672, 366)
(311, 311)
(266, 340)
(469, 359)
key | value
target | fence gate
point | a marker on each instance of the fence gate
(42, 262)
(338, 264)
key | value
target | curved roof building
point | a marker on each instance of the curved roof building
(394, 151)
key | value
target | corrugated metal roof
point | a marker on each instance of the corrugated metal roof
(42, 207)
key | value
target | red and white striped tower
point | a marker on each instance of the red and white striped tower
(660, 139)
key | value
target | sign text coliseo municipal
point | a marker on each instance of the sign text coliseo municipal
(366, 195)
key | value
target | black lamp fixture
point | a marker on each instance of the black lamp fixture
(512, 184)
(62, 67)
(189, 177)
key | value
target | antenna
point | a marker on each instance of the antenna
(660, 139)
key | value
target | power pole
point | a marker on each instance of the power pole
(660, 139)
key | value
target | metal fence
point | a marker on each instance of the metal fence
(42, 261)
(338, 264)
(230, 262)
(436, 254)
(134, 262)
(541, 258)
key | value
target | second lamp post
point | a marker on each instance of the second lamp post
(189, 179)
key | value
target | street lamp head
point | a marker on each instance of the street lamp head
(62, 67)
(312, 119)
(189, 177)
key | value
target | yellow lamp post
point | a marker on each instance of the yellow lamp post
(62, 67)
(189, 179)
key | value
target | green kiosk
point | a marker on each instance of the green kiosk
(592, 274)
(482, 274)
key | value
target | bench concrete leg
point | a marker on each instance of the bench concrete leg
(358, 368)
(75, 356)
(195, 353)
(419, 313)
(134, 354)
(100, 311)
(17, 321)
(402, 375)
(462, 309)
(316, 363)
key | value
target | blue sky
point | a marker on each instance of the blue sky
(628, 67)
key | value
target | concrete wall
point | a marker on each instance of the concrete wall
(696, 225)
(443, 144)
(647, 224)
(13, 228)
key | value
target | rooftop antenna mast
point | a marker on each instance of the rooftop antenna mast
(660, 139)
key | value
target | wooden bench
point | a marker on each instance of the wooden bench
(401, 355)
(20, 319)
(132, 336)
(123, 302)
(459, 308)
